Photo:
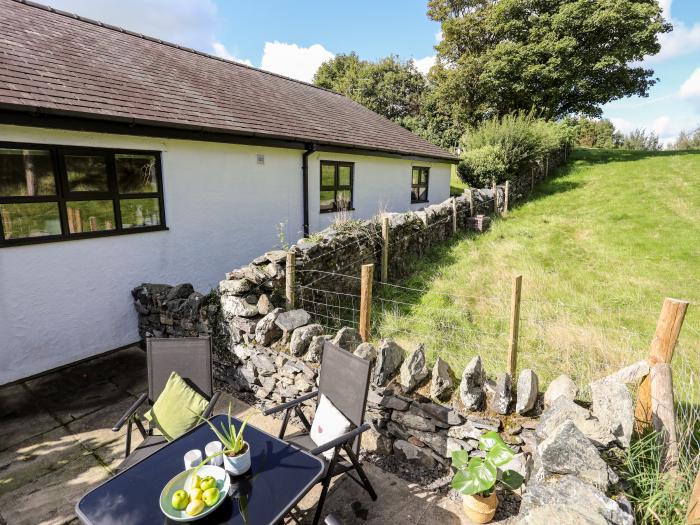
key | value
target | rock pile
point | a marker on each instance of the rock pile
(170, 311)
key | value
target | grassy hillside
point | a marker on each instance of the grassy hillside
(599, 247)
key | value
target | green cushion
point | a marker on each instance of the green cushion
(177, 408)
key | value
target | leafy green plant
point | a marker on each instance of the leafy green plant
(480, 475)
(231, 440)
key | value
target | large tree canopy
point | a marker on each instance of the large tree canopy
(558, 57)
(389, 87)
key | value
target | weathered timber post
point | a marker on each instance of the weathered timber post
(468, 191)
(505, 202)
(693, 516)
(454, 215)
(366, 300)
(514, 325)
(532, 179)
(494, 188)
(385, 249)
(290, 278)
(667, 329)
(663, 415)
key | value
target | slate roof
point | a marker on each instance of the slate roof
(59, 63)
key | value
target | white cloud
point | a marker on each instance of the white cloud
(623, 125)
(221, 51)
(294, 61)
(190, 23)
(683, 40)
(690, 89)
(424, 64)
(438, 37)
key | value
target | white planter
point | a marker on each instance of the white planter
(238, 465)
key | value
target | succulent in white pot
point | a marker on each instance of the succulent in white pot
(476, 478)
(235, 451)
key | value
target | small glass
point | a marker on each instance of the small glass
(214, 447)
(193, 458)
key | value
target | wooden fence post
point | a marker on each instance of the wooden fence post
(366, 300)
(385, 249)
(505, 202)
(663, 413)
(290, 278)
(494, 188)
(532, 179)
(693, 516)
(667, 329)
(471, 201)
(514, 326)
(454, 215)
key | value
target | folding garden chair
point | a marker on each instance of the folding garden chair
(190, 357)
(344, 380)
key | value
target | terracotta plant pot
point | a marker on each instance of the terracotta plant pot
(480, 509)
(237, 465)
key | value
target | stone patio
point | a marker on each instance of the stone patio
(56, 443)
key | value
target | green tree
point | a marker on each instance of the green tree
(558, 57)
(594, 133)
(639, 139)
(389, 87)
(688, 140)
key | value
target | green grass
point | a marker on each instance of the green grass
(457, 186)
(599, 247)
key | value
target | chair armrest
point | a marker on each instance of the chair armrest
(348, 436)
(210, 407)
(130, 412)
(290, 404)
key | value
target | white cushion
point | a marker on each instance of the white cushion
(329, 423)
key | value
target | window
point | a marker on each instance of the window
(336, 186)
(56, 193)
(419, 184)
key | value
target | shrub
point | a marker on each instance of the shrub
(505, 148)
(480, 167)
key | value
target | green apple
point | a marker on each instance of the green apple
(180, 500)
(207, 483)
(210, 496)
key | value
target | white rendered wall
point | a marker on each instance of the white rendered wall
(380, 184)
(64, 301)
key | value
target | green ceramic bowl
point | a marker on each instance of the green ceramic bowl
(182, 481)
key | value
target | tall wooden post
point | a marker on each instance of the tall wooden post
(532, 179)
(494, 188)
(366, 300)
(454, 215)
(505, 202)
(663, 414)
(290, 277)
(693, 516)
(668, 328)
(514, 325)
(468, 191)
(7, 223)
(385, 249)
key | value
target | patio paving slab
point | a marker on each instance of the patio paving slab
(22, 416)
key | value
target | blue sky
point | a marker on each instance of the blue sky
(293, 37)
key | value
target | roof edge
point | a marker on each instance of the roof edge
(39, 117)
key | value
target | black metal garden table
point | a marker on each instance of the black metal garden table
(280, 476)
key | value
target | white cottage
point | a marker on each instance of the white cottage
(125, 159)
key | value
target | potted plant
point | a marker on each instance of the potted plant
(476, 478)
(235, 451)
